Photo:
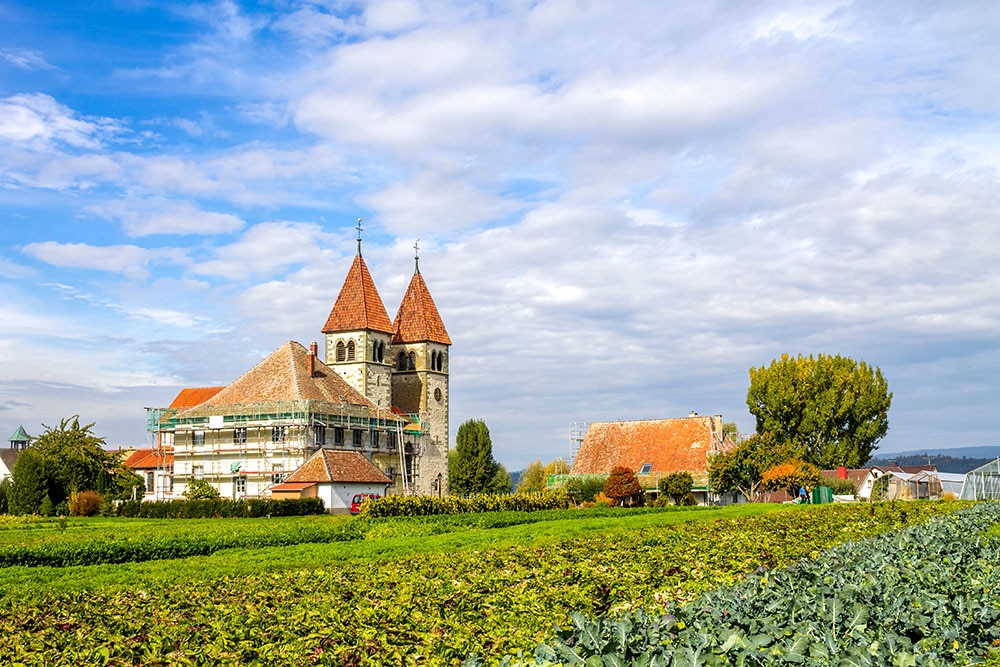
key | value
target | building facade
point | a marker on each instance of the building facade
(381, 391)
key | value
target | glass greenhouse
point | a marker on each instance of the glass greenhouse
(983, 483)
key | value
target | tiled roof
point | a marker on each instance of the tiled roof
(855, 475)
(293, 486)
(146, 459)
(358, 306)
(669, 445)
(9, 457)
(336, 465)
(418, 318)
(192, 396)
(284, 376)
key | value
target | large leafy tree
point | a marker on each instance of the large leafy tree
(471, 467)
(64, 460)
(622, 485)
(532, 479)
(741, 470)
(831, 408)
(677, 485)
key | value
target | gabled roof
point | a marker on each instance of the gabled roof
(337, 465)
(284, 376)
(668, 445)
(9, 457)
(418, 318)
(19, 435)
(148, 459)
(358, 306)
(192, 396)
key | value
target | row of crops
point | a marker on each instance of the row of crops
(440, 607)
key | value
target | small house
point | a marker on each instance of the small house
(334, 476)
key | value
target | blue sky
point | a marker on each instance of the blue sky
(619, 212)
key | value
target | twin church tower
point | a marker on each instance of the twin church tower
(399, 365)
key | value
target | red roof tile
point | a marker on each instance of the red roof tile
(336, 465)
(192, 396)
(147, 459)
(294, 486)
(358, 306)
(418, 318)
(284, 376)
(669, 445)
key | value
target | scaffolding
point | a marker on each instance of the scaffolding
(577, 432)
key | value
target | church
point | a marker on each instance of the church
(381, 390)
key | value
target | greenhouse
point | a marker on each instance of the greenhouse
(983, 483)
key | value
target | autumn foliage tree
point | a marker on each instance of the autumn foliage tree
(622, 485)
(532, 479)
(741, 470)
(791, 476)
(831, 408)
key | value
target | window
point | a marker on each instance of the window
(319, 432)
(277, 473)
(198, 472)
(357, 437)
(338, 435)
(437, 394)
(341, 351)
(240, 435)
(411, 361)
(440, 361)
(240, 483)
(278, 433)
(390, 472)
(646, 469)
(391, 441)
(378, 351)
(350, 350)
(198, 439)
(150, 479)
(401, 362)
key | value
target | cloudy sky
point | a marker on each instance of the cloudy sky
(621, 207)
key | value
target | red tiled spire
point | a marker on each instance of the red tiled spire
(359, 306)
(418, 319)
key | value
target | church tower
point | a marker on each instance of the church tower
(420, 346)
(359, 335)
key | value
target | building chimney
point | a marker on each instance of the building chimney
(842, 472)
(313, 352)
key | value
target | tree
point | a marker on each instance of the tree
(199, 489)
(833, 409)
(731, 430)
(30, 483)
(741, 470)
(471, 468)
(791, 476)
(583, 488)
(5, 485)
(532, 479)
(556, 467)
(622, 484)
(678, 486)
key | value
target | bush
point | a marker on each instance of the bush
(429, 505)
(677, 485)
(85, 503)
(840, 487)
(199, 489)
(622, 485)
(582, 488)
(220, 508)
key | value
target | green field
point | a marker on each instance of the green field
(348, 591)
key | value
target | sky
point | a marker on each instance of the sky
(621, 208)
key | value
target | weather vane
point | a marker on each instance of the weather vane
(359, 228)
(416, 256)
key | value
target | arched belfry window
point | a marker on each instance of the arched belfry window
(434, 360)
(341, 351)
(378, 351)
(439, 362)
(401, 363)
(350, 350)
(411, 361)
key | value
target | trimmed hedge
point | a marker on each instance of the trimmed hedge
(429, 505)
(220, 508)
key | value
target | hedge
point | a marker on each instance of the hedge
(221, 508)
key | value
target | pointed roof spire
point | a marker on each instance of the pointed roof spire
(359, 305)
(418, 318)
(416, 256)
(360, 229)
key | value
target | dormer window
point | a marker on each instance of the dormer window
(646, 469)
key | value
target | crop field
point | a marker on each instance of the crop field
(437, 590)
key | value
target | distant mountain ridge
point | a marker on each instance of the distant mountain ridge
(957, 459)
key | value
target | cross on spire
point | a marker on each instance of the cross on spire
(360, 229)
(416, 256)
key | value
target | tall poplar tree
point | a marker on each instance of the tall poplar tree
(471, 467)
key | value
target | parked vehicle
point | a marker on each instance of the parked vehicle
(360, 498)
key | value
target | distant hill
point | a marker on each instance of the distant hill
(944, 462)
(979, 452)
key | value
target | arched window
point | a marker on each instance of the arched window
(378, 351)
(411, 361)
(401, 364)
(440, 361)
(350, 350)
(341, 351)
(434, 360)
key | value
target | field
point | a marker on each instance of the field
(427, 590)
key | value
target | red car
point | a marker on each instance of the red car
(360, 498)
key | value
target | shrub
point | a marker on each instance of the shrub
(199, 489)
(622, 485)
(841, 487)
(85, 503)
(582, 488)
(677, 485)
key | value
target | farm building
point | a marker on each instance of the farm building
(921, 485)
(655, 448)
(983, 483)
(156, 467)
(334, 476)
(382, 390)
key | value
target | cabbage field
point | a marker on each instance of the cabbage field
(910, 583)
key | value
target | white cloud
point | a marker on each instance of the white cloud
(161, 216)
(38, 120)
(128, 260)
(26, 59)
(264, 250)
